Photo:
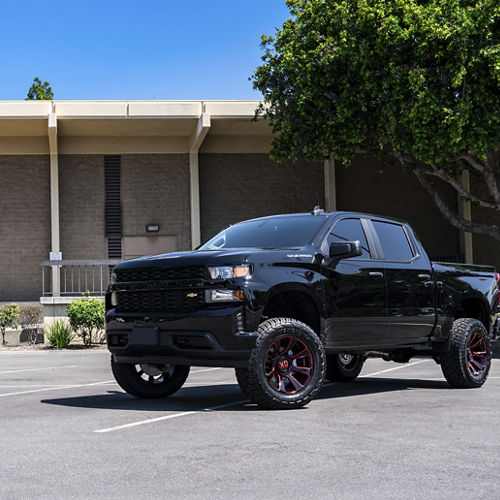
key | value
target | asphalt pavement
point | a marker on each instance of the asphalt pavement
(68, 431)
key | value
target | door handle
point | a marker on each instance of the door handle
(376, 274)
(424, 276)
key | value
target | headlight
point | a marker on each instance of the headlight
(223, 295)
(227, 272)
(113, 278)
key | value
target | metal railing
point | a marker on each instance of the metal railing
(76, 277)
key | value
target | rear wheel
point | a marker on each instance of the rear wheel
(344, 366)
(286, 367)
(149, 381)
(467, 363)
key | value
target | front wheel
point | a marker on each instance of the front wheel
(344, 366)
(467, 363)
(148, 381)
(287, 365)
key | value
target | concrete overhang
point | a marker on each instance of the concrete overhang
(131, 126)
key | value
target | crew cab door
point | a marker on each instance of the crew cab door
(410, 283)
(355, 289)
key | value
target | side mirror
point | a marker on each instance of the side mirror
(345, 249)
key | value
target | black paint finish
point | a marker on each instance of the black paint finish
(356, 304)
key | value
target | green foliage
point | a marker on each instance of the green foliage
(413, 77)
(59, 334)
(40, 91)
(86, 317)
(30, 318)
(8, 317)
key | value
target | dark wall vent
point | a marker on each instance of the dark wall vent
(113, 209)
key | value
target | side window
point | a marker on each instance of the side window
(350, 230)
(394, 242)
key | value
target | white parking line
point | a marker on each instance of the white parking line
(37, 369)
(168, 417)
(328, 384)
(186, 413)
(18, 386)
(58, 387)
(396, 368)
(205, 370)
(54, 388)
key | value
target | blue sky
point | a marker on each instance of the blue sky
(128, 49)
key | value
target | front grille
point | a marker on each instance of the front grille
(172, 273)
(160, 301)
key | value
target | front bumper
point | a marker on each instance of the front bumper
(214, 337)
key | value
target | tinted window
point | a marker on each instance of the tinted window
(350, 230)
(394, 242)
(273, 232)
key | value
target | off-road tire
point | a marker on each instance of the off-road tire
(241, 378)
(132, 381)
(456, 364)
(257, 385)
(337, 370)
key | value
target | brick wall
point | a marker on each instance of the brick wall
(81, 206)
(396, 193)
(24, 225)
(235, 187)
(155, 189)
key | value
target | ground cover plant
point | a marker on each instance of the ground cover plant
(86, 317)
(30, 319)
(8, 317)
(59, 334)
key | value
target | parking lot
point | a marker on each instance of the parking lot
(68, 431)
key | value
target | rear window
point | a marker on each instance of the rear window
(273, 233)
(395, 244)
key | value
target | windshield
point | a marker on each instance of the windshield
(273, 232)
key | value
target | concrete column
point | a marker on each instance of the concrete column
(464, 209)
(194, 179)
(330, 186)
(54, 201)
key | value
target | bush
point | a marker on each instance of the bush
(59, 334)
(8, 317)
(30, 318)
(86, 317)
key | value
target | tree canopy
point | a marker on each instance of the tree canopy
(415, 79)
(40, 91)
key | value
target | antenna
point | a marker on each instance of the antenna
(317, 210)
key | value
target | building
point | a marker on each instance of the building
(97, 180)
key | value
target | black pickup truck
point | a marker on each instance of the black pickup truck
(289, 300)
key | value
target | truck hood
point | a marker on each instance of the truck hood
(216, 258)
(191, 258)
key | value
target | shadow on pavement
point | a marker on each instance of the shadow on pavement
(201, 397)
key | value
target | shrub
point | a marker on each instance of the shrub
(30, 318)
(59, 334)
(8, 317)
(86, 317)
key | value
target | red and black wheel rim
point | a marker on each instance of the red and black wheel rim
(477, 354)
(288, 365)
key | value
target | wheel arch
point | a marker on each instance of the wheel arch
(474, 307)
(295, 303)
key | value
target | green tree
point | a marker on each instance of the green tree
(86, 317)
(8, 316)
(40, 91)
(415, 80)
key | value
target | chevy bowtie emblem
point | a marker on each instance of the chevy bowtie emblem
(192, 295)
